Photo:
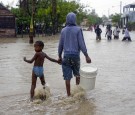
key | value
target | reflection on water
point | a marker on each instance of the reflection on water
(113, 93)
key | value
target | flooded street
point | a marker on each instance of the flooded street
(115, 82)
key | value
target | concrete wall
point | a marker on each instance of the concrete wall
(132, 16)
(7, 33)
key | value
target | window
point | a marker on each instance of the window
(7, 22)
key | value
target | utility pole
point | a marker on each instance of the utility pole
(31, 33)
(108, 13)
(54, 16)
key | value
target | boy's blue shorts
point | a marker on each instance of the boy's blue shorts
(70, 64)
(38, 71)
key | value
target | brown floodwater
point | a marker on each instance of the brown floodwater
(115, 82)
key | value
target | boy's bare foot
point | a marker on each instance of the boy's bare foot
(43, 97)
(77, 80)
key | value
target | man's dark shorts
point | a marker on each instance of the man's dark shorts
(70, 64)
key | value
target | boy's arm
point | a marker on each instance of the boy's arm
(32, 60)
(51, 59)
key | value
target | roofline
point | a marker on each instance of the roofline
(7, 10)
(126, 6)
(8, 15)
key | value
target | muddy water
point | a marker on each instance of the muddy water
(113, 93)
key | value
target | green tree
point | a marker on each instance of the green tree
(115, 18)
(94, 19)
(46, 14)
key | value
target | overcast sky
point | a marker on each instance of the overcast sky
(105, 7)
(102, 7)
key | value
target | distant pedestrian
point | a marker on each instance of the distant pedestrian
(98, 32)
(116, 32)
(71, 43)
(95, 26)
(109, 33)
(126, 35)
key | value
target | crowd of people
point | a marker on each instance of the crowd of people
(115, 32)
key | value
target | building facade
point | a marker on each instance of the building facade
(7, 23)
(128, 14)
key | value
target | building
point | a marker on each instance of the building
(7, 22)
(128, 14)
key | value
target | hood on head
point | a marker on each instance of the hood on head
(71, 19)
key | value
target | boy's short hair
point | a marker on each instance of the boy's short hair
(40, 43)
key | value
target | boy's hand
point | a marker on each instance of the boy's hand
(88, 60)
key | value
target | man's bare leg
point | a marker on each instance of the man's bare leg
(77, 80)
(67, 82)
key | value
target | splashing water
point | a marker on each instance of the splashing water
(41, 94)
(78, 94)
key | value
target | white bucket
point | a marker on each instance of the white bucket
(88, 77)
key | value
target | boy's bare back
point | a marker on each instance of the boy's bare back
(39, 58)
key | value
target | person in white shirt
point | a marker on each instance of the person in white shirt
(109, 33)
(116, 32)
(126, 35)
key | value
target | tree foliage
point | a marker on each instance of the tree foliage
(116, 18)
(44, 14)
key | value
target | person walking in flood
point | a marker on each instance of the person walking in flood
(126, 35)
(98, 32)
(71, 42)
(109, 33)
(116, 32)
(37, 71)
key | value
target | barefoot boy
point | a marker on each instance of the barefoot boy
(38, 60)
